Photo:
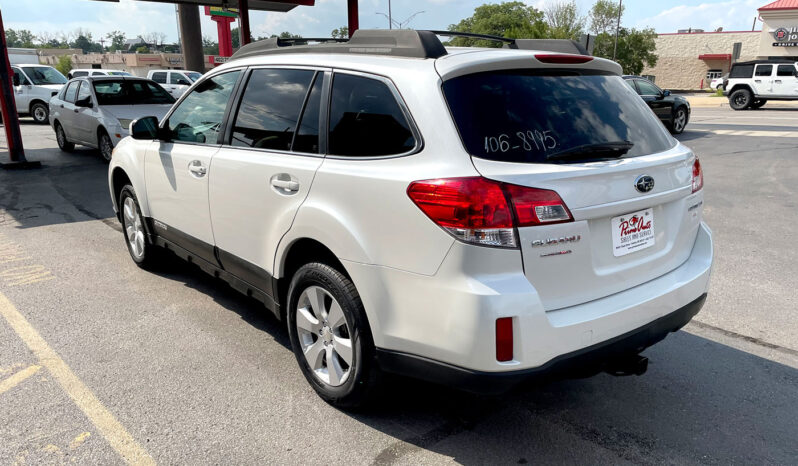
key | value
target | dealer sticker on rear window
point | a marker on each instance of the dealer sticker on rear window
(632, 232)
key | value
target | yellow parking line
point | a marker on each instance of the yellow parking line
(116, 435)
(17, 378)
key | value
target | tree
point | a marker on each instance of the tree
(604, 17)
(513, 20)
(288, 35)
(209, 47)
(236, 35)
(117, 40)
(564, 21)
(143, 49)
(64, 64)
(340, 33)
(636, 48)
(21, 38)
(154, 39)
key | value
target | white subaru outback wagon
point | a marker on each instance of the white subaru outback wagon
(474, 217)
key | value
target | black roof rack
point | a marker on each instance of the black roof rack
(396, 42)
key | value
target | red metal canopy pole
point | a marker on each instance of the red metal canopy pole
(351, 6)
(243, 15)
(10, 119)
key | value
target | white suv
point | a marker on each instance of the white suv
(751, 84)
(468, 216)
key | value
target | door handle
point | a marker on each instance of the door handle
(197, 169)
(287, 185)
(778, 81)
(62, 105)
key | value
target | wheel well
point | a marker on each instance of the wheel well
(302, 252)
(741, 86)
(34, 102)
(118, 181)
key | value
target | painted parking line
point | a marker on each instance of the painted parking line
(734, 132)
(17, 378)
(105, 422)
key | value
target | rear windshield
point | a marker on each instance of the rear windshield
(123, 92)
(524, 116)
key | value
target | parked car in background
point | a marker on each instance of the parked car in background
(79, 73)
(473, 217)
(34, 86)
(176, 82)
(672, 110)
(751, 84)
(97, 111)
(717, 83)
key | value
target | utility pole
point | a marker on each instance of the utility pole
(617, 28)
(390, 20)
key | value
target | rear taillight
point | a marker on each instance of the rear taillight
(504, 339)
(480, 211)
(562, 59)
(698, 176)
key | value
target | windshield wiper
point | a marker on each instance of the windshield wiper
(597, 151)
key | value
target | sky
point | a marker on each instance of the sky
(135, 17)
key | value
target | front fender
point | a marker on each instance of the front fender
(129, 156)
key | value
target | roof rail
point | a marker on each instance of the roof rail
(399, 43)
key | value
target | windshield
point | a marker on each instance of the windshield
(123, 92)
(41, 75)
(119, 73)
(526, 116)
(193, 75)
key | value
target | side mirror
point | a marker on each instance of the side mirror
(666, 93)
(16, 80)
(144, 128)
(85, 102)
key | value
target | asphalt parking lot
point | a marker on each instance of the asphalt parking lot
(101, 362)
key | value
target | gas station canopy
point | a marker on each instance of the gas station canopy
(261, 5)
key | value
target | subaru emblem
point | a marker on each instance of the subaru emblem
(644, 183)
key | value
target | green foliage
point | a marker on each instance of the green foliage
(287, 35)
(340, 33)
(236, 36)
(509, 19)
(117, 40)
(209, 47)
(85, 43)
(564, 21)
(64, 64)
(604, 16)
(143, 49)
(19, 38)
(636, 48)
(718, 92)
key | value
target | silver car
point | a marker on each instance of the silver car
(97, 111)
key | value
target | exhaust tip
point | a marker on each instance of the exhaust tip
(627, 365)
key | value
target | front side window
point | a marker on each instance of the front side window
(43, 75)
(23, 81)
(178, 78)
(199, 116)
(193, 76)
(84, 92)
(647, 88)
(159, 78)
(72, 91)
(270, 107)
(307, 135)
(529, 116)
(366, 120)
(785, 70)
(763, 70)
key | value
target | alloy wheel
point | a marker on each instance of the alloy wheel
(324, 336)
(106, 148)
(60, 136)
(679, 121)
(134, 229)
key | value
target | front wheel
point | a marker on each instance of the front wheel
(679, 121)
(143, 253)
(740, 99)
(40, 113)
(60, 137)
(330, 336)
(106, 146)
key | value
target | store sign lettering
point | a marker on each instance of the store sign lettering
(786, 37)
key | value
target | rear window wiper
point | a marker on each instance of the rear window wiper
(596, 151)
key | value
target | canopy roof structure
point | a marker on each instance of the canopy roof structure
(260, 5)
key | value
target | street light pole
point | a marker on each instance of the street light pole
(390, 21)
(617, 28)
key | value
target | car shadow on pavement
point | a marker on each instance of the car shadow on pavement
(689, 135)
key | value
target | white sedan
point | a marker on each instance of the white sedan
(97, 111)
(717, 83)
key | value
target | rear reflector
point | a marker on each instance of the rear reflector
(698, 176)
(562, 59)
(504, 339)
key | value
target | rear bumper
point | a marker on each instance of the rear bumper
(585, 361)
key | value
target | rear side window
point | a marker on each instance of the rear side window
(159, 78)
(763, 70)
(270, 107)
(785, 70)
(742, 71)
(72, 91)
(366, 120)
(526, 116)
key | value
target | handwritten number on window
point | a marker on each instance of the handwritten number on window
(529, 140)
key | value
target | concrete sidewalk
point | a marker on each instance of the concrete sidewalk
(706, 100)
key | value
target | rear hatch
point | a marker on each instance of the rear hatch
(582, 133)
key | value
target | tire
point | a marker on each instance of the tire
(740, 99)
(679, 121)
(40, 113)
(143, 253)
(327, 325)
(105, 145)
(758, 103)
(60, 137)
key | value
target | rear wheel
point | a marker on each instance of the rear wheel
(330, 336)
(740, 99)
(60, 137)
(758, 103)
(40, 113)
(679, 120)
(105, 144)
